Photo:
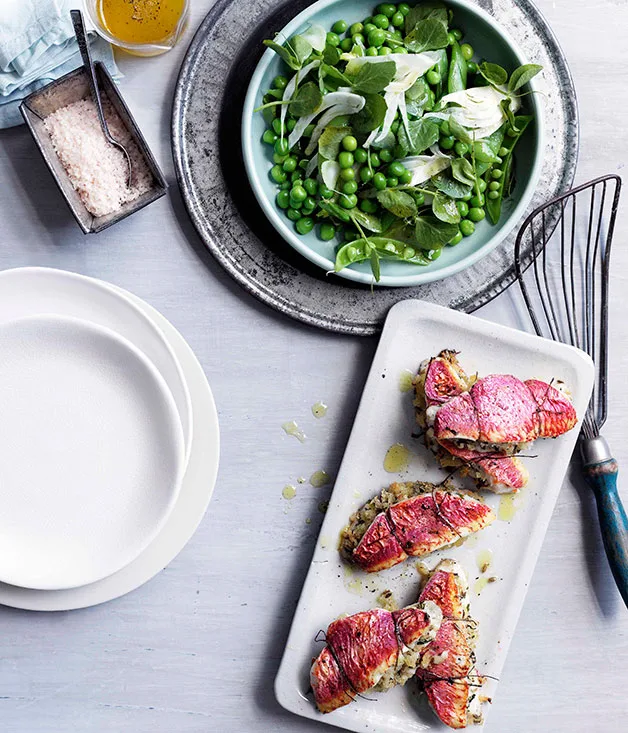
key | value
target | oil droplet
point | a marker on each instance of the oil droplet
(356, 494)
(308, 520)
(319, 409)
(289, 492)
(482, 582)
(291, 428)
(397, 458)
(422, 569)
(472, 540)
(387, 601)
(508, 507)
(484, 559)
(319, 478)
(322, 506)
(405, 380)
(301, 480)
(355, 587)
(459, 542)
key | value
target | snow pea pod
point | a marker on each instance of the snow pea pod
(360, 250)
(494, 205)
(457, 79)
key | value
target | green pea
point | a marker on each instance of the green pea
(345, 159)
(499, 160)
(457, 33)
(497, 173)
(349, 143)
(358, 39)
(309, 130)
(280, 82)
(387, 9)
(283, 199)
(293, 214)
(376, 37)
(476, 213)
(367, 21)
(403, 8)
(482, 185)
(310, 186)
(384, 51)
(296, 204)
(368, 205)
(366, 174)
(476, 201)
(368, 27)
(466, 197)
(324, 192)
(349, 235)
(493, 186)
(285, 186)
(349, 187)
(434, 254)
(433, 77)
(289, 164)
(269, 137)
(296, 178)
(447, 142)
(493, 194)
(277, 126)
(503, 152)
(472, 67)
(352, 253)
(375, 161)
(460, 149)
(279, 159)
(395, 126)
(392, 181)
(371, 51)
(303, 163)
(346, 44)
(327, 232)
(355, 28)
(396, 168)
(291, 124)
(360, 155)
(304, 225)
(406, 177)
(381, 21)
(467, 51)
(379, 181)
(511, 132)
(298, 193)
(397, 19)
(332, 39)
(467, 227)
(308, 206)
(340, 26)
(451, 39)
(348, 201)
(281, 147)
(444, 128)
(278, 174)
(462, 207)
(456, 239)
(385, 155)
(347, 174)
(419, 198)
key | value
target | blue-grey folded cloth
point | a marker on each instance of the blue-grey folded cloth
(37, 45)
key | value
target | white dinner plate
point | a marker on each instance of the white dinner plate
(414, 331)
(196, 490)
(92, 452)
(28, 291)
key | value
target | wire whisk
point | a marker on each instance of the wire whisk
(562, 263)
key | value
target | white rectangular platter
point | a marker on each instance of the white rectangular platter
(414, 331)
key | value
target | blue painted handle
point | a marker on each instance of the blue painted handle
(602, 477)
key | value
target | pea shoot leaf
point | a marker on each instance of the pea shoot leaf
(399, 203)
(432, 233)
(450, 186)
(460, 131)
(329, 141)
(367, 221)
(483, 152)
(428, 35)
(422, 134)
(374, 78)
(307, 100)
(445, 208)
(507, 109)
(301, 48)
(423, 11)
(286, 55)
(331, 55)
(462, 170)
(522, 75)
(493, 73)
(371, 116)
(375, 264)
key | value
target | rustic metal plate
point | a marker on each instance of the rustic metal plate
(207, 153)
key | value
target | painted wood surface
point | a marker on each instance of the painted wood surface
(197, 648)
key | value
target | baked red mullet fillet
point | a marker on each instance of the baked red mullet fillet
(480, 424)
(371, 651)
(410, 520)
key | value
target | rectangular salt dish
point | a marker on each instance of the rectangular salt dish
(68, 89)
(414, 331)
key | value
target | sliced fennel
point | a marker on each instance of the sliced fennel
(342, 103)
(478, 109)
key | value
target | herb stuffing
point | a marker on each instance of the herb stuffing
(390, 136)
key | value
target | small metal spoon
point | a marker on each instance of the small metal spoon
(79, 31)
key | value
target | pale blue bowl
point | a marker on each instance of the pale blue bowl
(490, 41)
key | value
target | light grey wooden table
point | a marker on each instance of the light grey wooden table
(197, 648)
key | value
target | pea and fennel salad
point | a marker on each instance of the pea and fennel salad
(390, 136)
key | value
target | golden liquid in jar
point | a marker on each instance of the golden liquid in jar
(140, 21)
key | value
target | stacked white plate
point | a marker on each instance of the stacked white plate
(109, 440)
